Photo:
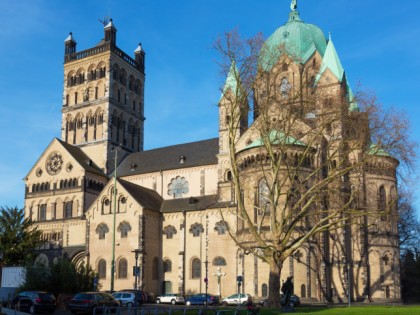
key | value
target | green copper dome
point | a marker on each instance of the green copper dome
(298, 39)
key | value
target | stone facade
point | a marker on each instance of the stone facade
(173, 205)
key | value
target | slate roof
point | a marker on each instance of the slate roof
(192, 203)
(168, 158)
(148, 198)
(82, 158)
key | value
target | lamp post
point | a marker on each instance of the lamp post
(136, 268)
(115, 149)
(348, 283)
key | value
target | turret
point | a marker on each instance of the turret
(139, 57)
(69, 45)
(110, 33)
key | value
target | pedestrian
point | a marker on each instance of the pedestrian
(250, 306)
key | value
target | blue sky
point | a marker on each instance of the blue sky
(378, 42)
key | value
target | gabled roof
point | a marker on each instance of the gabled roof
(332, 62)
(77, 154)
(82, 158)
(168, 158)
(147, 198)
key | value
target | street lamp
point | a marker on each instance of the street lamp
(115, 149)
(136, 270)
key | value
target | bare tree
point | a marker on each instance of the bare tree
(299, 170)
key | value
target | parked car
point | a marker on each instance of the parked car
(172, 298)
(294, 301)
(128, 298)
(141, 296)
(201, 299)
(34, 302)
(236, 299)
(85, 302)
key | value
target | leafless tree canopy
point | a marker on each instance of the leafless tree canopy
(305, 153)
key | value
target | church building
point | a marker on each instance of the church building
(100, 199)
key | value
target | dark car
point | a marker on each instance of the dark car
(34, 302)
(85, 302)
(294, 301)
(201, 299)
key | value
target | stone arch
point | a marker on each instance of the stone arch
(101, 67)
(123, 77)
(106, 205)
(79, 135)
(92, 72)
(71, 78)
(115, 71)
(131, 133)
(79, 259)
(42, 259)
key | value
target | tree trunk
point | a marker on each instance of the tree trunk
(274, 284)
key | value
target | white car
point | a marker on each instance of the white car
(172, 298)
(236, 299)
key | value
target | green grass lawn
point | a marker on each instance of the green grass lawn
(353, 310)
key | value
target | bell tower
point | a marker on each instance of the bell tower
(103, 99)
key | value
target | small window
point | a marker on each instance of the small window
(221, 227)
(169, 231)
(219, 261)
(196, 229)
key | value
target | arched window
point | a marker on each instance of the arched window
(196, 268)
(101, 230)
(43, 212)
(219, 261)
(169, 231)
(68, 211)
(122, 268)
(178, 187)
(196, 229)
(155, 270)
(264, 290)
(167, 265)
(102, 269)
(303, 291)
(124, 227)
(221, 227)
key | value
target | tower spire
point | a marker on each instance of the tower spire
(293, 5)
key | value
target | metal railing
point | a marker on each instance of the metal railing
(178, 310)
